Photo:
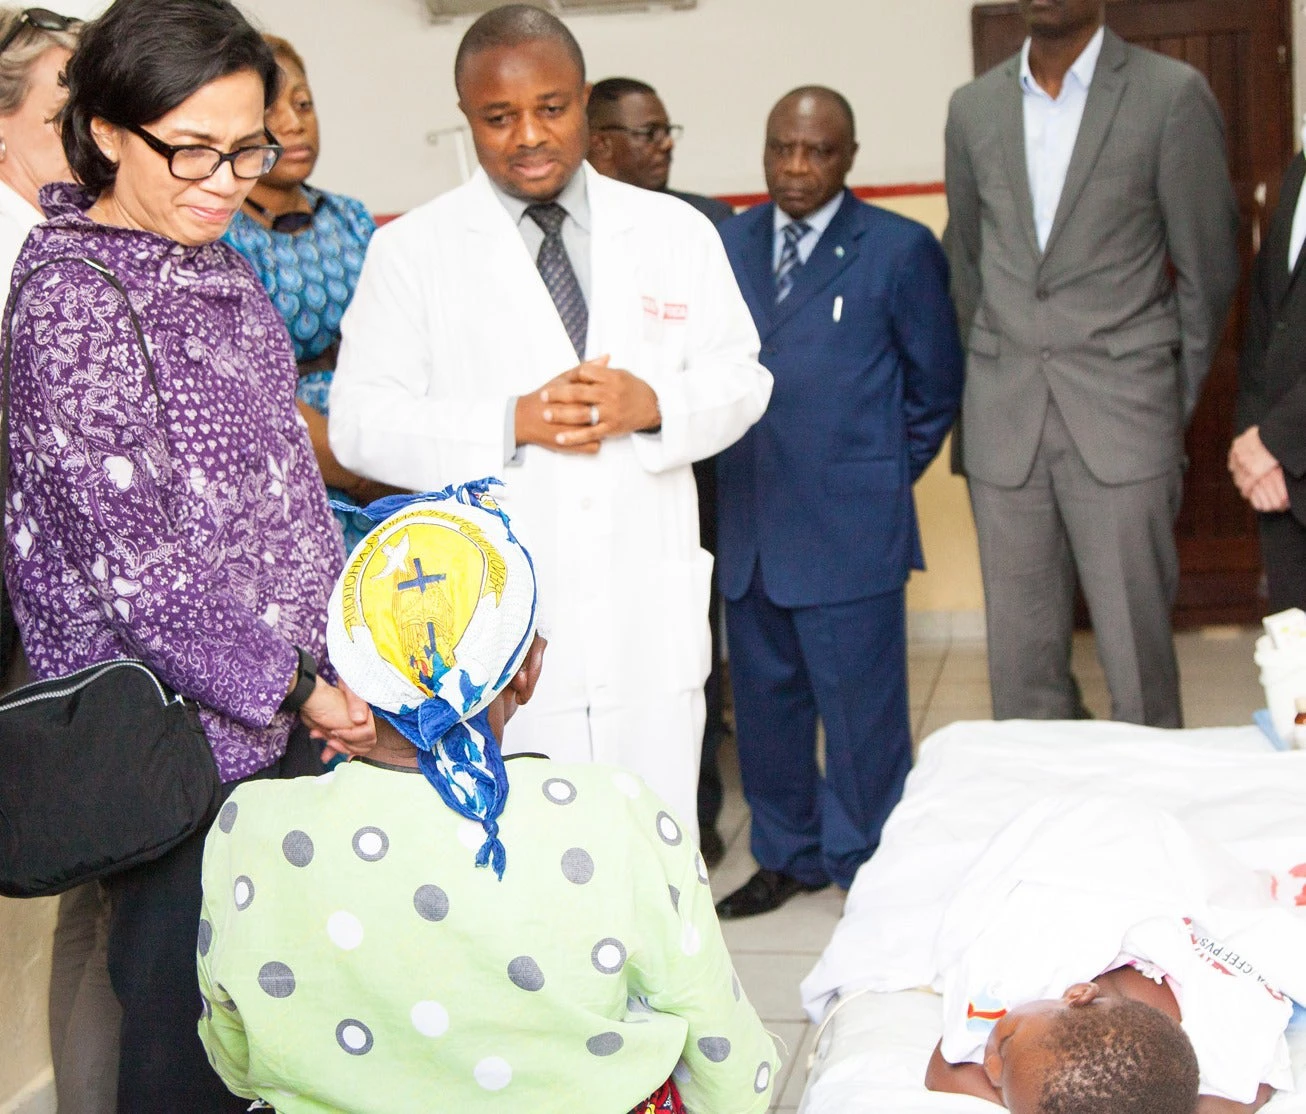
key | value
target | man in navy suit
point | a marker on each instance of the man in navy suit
(817, 527)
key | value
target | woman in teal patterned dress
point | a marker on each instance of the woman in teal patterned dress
(307, 247)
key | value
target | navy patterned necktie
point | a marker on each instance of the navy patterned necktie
(790, 260)
(559, 278)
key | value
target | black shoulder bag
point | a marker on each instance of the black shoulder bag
(107, 767)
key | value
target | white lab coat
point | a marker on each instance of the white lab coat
(450, 320)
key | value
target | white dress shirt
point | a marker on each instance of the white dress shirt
(818, 221)
(1051, 129)
(1298, 236)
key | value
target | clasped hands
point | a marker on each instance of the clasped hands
(577, 411)
(340, 718)
(1257, 473)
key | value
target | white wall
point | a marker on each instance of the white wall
(382, 75)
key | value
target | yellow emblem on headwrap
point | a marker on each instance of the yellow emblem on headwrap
(415, 586)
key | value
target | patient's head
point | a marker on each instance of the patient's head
(432, 622)
(1091, 1054)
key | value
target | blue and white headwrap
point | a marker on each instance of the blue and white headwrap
(432, 617)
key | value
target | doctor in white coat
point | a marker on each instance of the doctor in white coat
(456, 363)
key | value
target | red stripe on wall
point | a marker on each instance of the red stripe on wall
(866, 193)
(745, 200)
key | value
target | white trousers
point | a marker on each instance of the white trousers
(659, 738)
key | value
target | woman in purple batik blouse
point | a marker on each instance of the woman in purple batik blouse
(188, 528)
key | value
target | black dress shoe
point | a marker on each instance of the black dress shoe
(766, 890)
(712, 846)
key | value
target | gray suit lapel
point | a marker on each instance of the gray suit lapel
(1104, 95)
(1012, 129)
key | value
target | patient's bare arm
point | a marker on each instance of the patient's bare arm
(1209, 1104)
(966, 1079)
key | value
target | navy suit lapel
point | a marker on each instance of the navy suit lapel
(1104, 95)
(834, 253)
(757, 266)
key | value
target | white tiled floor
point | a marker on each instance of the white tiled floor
(947, 682)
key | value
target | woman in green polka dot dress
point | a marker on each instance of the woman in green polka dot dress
(307, 248)
(368, 945)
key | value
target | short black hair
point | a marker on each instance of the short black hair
(141, 59)
(1119, 1057)
(514, 25)
(823, 92)
(611, 90)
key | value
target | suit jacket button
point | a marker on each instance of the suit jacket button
(1045, 355)
(1041, 294)
(1281, 324)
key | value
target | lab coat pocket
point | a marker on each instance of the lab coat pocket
(680, 608)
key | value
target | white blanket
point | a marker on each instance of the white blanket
(1079, 885)
(973, 779)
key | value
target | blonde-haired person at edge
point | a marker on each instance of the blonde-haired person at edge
(83, 1013)
(552, 946)
(307, 246)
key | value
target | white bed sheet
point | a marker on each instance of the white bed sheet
(873, 1052)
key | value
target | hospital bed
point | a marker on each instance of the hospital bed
(971, 779)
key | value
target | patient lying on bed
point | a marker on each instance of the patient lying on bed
(1100, 958)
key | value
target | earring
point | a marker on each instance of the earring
(4, 150)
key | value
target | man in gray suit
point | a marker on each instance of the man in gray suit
(1091, 233)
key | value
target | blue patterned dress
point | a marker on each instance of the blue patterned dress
(310, 277)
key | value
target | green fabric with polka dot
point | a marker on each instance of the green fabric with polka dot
(353, 958)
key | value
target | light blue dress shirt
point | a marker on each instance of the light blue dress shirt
(1051, 129)
(819, 221)
(574, 198)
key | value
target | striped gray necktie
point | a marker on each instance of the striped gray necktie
(790, 260)
(559, 278)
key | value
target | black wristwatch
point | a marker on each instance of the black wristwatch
(305, 682)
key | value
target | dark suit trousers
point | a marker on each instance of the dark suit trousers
(711, 793)
(162, 1066)
(846, 663)
(1119, 538)
(1283, 555)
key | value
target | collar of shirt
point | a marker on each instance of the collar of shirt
(1297, 236)
(1082, 70)
(574, 198)
(819, 221)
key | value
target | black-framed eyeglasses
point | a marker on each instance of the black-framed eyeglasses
(192, 162)
(42, 19)
(653, 133)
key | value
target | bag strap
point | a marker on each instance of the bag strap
(102, 269)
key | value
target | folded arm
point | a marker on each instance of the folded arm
(959, 1079)
(925, 328)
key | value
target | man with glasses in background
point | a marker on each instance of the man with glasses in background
(631, 140)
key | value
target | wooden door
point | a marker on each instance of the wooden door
(1242, 46)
